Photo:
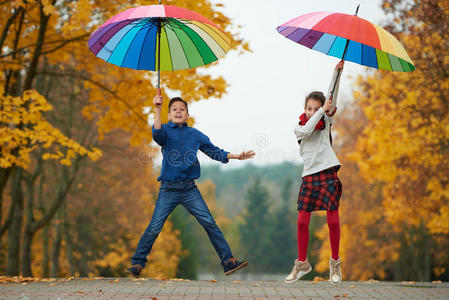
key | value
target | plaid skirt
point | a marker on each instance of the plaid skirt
(320, 191)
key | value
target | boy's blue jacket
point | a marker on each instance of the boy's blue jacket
(179, 149)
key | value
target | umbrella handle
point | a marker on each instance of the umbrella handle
(335, 83)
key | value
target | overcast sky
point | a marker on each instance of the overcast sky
(268, 86)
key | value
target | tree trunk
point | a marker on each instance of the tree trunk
(68, 242)
(84, 234)
(45, 257)
(4, 176)
(29, 233)
(26, 253)
(46, 229)
(56, 248)
(13, 263)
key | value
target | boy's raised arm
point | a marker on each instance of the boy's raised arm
(159, 135)
(157, 101)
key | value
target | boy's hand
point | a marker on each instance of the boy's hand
(157, 101)
(242, 156)
(327, 105)
(340, 65)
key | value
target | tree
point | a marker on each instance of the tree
(47, 39)
(255, 225)
(282, 231)
(402, 151)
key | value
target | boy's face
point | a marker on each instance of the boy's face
(312, 106)
(178, 113)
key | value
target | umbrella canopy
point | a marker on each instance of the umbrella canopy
(134, 38)
(348, 37)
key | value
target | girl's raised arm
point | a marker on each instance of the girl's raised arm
(337, 72)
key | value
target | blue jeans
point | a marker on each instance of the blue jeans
(170, 195)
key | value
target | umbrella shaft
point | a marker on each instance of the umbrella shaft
(339, 70)
(159, 54)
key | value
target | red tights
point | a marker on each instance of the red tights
(333, 222)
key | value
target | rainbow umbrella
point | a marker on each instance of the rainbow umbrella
(348, 37)
(159, 37)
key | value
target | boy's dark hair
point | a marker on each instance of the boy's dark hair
(177, 99)
(317, 96)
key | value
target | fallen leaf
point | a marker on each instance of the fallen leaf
(437, 281)
(352, 286)
(236, 281)
(212, 280)
(100, 290)
(81, 292)
(53, 283)
(114, 281)
(318, 279)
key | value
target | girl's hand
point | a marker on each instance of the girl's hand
(340, 65)
(157, 101)
(244, 155)
(327, 105)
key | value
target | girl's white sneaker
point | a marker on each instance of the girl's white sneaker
(300, 269)
(335, 271)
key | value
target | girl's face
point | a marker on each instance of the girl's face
(312, 106)
(178, 113)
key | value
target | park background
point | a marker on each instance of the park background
(78, 169)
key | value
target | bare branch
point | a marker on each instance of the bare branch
(63, 43)
(7, 25)
(102, 86)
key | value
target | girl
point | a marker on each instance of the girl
(320, 188)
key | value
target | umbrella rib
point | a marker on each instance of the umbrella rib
(129, 46)
(141, 48)
(195, 45)
(361, 54)
(389, 60)
(333, 42)
(218, 35)
(182, 46)
(169, 50)
(209, 35)
(112, 50)
(199, 52)
(106, 31)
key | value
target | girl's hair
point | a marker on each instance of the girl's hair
(316, 95)
(177, 99)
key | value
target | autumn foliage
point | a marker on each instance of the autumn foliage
(75, 192)
(395, 156)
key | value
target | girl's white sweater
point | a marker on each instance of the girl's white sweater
(315, 148)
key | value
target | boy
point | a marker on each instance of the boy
(180, 144)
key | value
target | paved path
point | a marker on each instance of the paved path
(124, 288)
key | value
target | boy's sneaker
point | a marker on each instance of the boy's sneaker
(334, 271)
(135, 270)
(234, 265)
(300, 269)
